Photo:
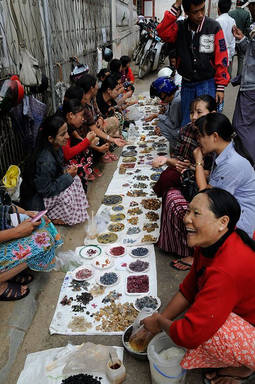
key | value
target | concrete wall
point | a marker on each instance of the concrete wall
(124, 29)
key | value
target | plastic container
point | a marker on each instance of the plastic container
(165, 371)
(118, 374)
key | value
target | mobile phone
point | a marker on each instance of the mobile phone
(39, 216)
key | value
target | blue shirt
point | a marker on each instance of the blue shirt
(235, 174)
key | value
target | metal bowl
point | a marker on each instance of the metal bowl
(125, 338)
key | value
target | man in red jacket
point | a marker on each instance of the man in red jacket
(202, 57)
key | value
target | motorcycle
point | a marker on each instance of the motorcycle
(153, 57)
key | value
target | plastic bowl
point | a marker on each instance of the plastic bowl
(125, 338)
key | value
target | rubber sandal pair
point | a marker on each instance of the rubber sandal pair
(13, 292)
(97, 172)
(23, 278)
(107, 158)
(244, 380)
(186, 266)
(91, 177)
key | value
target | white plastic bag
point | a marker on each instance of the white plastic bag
(67, 261)
(97, 224)
(30, 73)
(133, 113)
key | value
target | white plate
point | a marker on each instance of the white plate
(138, 257)
(101, 260)
(108, 285)
(78, 269)
(115, 246)
(154, 297)
(130, 270)
(84, 251)
(137, 293)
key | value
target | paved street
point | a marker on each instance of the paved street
(25, 324)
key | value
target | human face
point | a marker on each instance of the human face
(196, 13)
(166, 98)
(203, 227)
(208, 144)
(76, 119)
(251, 7)
(61, 139)
(200, 109)
(94, 90)
(113, 93)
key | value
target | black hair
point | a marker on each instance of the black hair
(74, 92)
(224, 5)
(102, 73)
(222, 203)
(116, 75)
(87, 82)
(187, 4)
(210, 102)
(219, 123)
(125, 60)
(50, 127)
(73, 105)
(115, 65)
(109, 82)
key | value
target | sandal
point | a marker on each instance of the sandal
(91, 177)
(97, 172)
(23, 278)
(13, 292)
(184, 266)
(107, 158)
(113, 157)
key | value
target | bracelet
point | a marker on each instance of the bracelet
(198, 163)
(108, 137)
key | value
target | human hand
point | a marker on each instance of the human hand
(149, 118)
(104, 148)
(119, 142)
(95, 141)
(159, 161)
(151, 323)
(219, 97)
(157, 131)
(181, 165)
(237, 33)
(31, 213)
(129, 94)
(91, 135)
(198, 155)
(26, 228)
(72, 170)
(178, 3)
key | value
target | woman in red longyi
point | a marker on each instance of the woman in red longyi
(218, 294)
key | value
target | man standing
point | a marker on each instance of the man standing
(202, 58)
(244, 117)
(226, 22)
(242, 19)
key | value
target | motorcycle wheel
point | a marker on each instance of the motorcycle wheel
(136, 51)
(139, 56)
(144, 67)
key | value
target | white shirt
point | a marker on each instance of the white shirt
(226, 22)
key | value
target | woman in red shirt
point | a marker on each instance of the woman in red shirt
(218, 294)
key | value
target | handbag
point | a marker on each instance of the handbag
(189, 186)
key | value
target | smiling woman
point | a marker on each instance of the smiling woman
(218, 294)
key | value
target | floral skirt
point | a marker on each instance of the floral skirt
(173, 238)
(37, 250)
(232, 346)
(70, 205)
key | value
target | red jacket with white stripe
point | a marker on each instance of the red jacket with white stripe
(202, 54)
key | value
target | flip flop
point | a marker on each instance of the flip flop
(97, 172)
(23, 278)
(15, 292)
(186, 266)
